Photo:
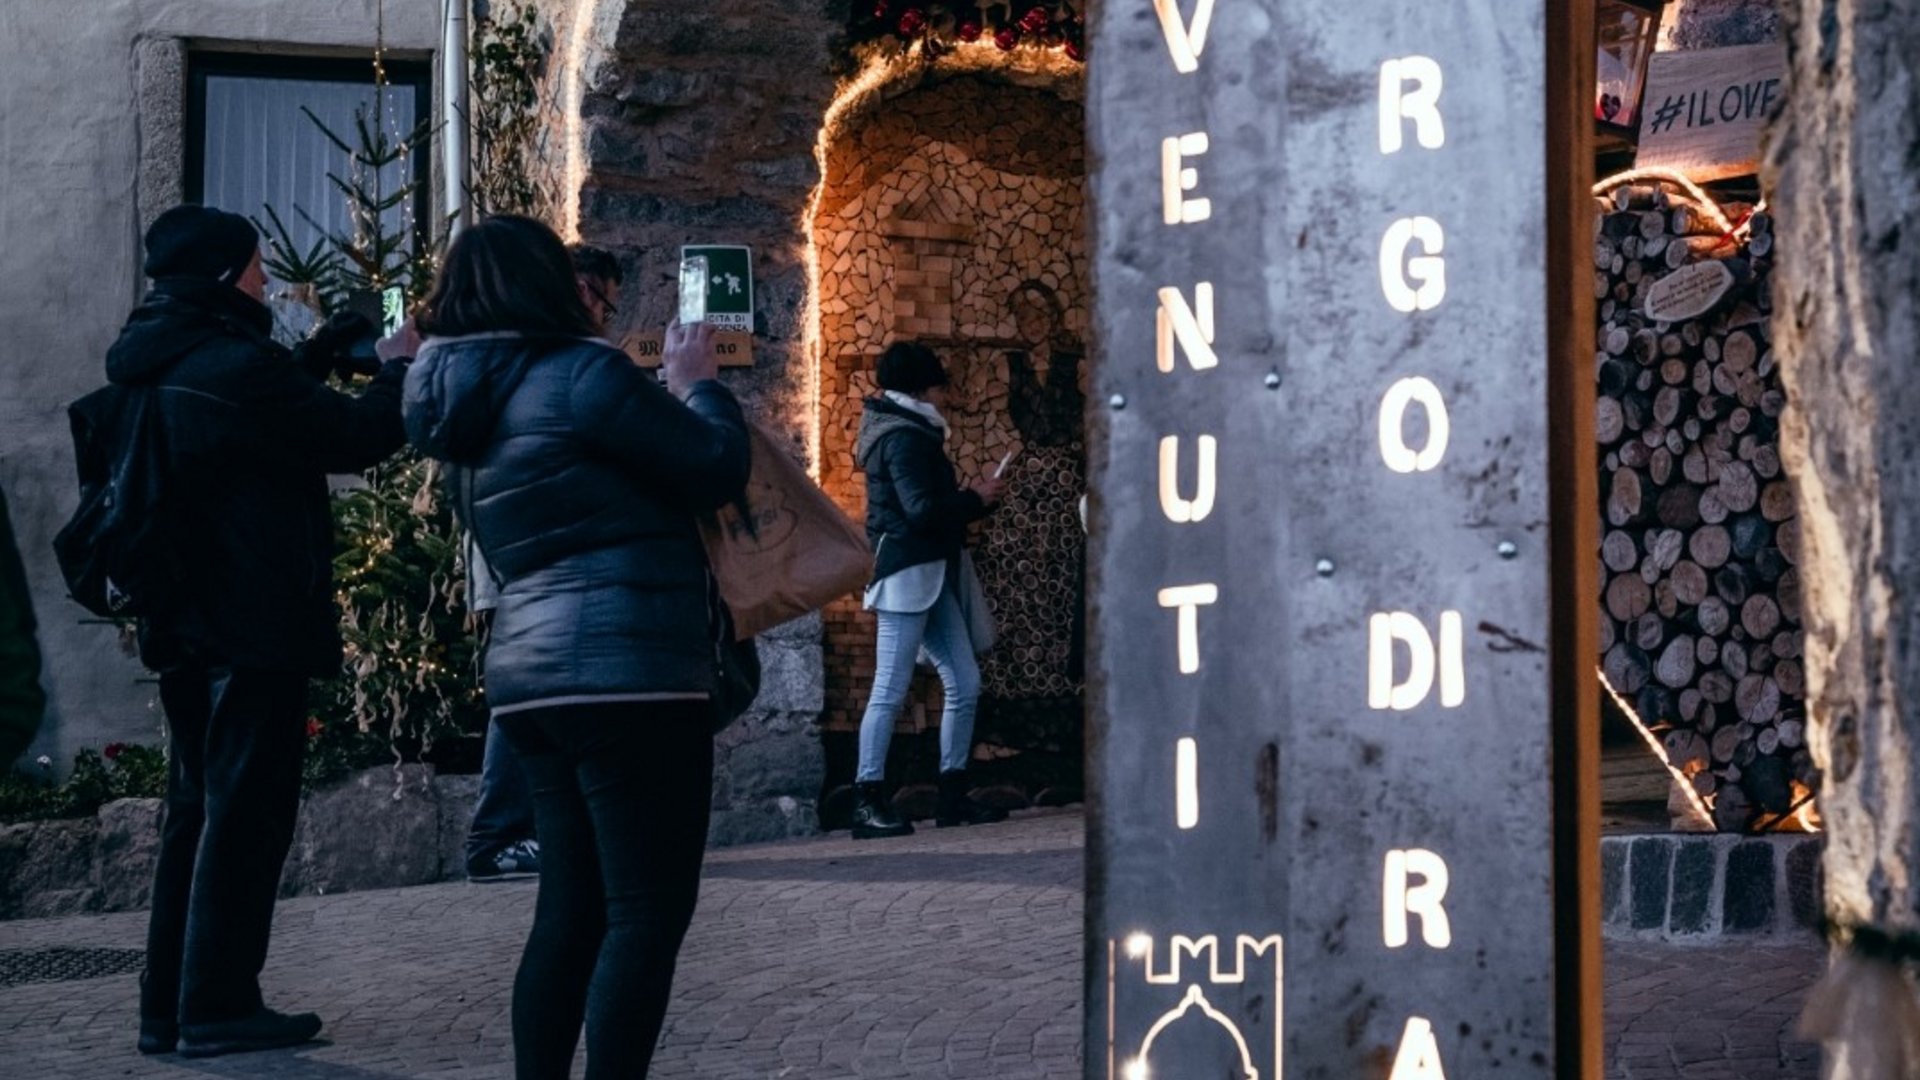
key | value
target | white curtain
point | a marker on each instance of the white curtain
(261, 150)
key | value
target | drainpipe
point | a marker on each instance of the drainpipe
(455, 93)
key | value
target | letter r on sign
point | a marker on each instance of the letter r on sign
(1420, 103)
(1401, 899)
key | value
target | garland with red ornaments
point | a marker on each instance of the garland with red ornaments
(935, 28)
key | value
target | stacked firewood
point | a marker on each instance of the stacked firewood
(1701, 625)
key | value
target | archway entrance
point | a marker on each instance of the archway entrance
(951, 213)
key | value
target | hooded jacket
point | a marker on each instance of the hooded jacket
(581, 479)
(917, 512)
(249, 435)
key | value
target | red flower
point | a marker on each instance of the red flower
(1007, 39)
(1035, 21)
(314, 727)
(113, 750)
(968, 31)
(1076, 53)
(912, 21)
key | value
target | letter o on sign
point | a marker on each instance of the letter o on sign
(1393, 411)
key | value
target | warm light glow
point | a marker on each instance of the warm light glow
(1419, 1056)
(1177, 178)
(856, 97)
(1138, 945)
(1196, 999)
(1187, 783)
(1401, 899)
(1136, 1070)
(1192, 326)
(1393, 414)
(1184, 41)
(1419, 283)
(1182, 511)
(1422, 106)
(1189, 599)
(574, 97)
(1697, 804)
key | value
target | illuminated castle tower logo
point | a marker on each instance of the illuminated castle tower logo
(1197, 1005)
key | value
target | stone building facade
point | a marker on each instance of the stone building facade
(943, 202)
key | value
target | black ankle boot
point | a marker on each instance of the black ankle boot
(956, 808)
(874, 817)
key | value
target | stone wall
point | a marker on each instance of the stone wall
(952, 214)
(686, 123)
(1712, 24)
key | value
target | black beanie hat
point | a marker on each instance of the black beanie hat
(910, 368)
(199, 241)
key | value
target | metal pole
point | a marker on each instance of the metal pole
(455, 92)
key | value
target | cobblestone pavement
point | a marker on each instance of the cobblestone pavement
(949, 954)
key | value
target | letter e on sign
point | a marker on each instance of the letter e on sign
(1177, 178)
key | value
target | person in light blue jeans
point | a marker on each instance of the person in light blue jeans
(917, 518)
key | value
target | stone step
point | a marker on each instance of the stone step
(1685, 887)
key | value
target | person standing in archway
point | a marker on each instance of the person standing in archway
(917, 518)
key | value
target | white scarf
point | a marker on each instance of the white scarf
(919, 408)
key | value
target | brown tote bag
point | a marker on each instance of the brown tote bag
(785, 549)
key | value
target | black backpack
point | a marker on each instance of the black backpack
(117, 551)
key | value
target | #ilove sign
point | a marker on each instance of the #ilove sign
(1323, 838)
(1704, 111)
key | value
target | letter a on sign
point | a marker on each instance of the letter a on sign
(1419, 1056)
(1184, 40)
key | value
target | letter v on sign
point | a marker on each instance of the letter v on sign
(1185, 40)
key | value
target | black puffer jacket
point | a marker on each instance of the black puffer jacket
(917, 512)
(250, 436)
(581, 478)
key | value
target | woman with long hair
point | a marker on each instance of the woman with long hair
(581, 478)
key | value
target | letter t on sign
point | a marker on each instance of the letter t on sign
(1189, 599)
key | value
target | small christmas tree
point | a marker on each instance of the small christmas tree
(410, 674)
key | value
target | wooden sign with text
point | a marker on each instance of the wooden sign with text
(1326, 835)
(733, 347)
(1704, 111)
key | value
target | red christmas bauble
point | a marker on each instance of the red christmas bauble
(912, 21)
(968, 31)
(1007, 39)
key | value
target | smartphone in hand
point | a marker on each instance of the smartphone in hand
(693, 290)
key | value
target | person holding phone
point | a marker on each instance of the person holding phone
(917, 519)
(582, 479)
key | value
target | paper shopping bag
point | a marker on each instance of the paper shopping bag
(785, 549)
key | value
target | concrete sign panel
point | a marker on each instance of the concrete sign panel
(1324, 838)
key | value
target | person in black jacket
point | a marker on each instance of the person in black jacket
(917, 518)
(249, 433)
(581, 479)
(22, 701)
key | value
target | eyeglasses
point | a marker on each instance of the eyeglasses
(601, 296)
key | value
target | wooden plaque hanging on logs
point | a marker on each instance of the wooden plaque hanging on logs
(1689, 292)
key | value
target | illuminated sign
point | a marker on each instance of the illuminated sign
(1325, 837)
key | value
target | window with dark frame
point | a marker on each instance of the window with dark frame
(250, 145)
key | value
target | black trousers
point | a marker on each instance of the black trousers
(621, 797)
(233, 792)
